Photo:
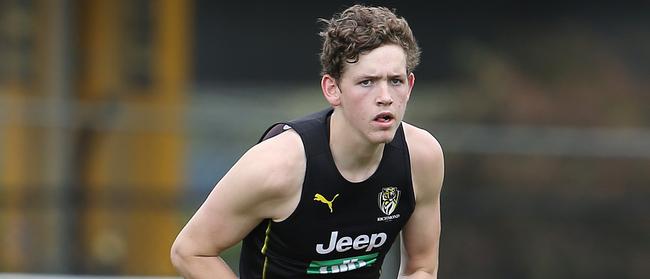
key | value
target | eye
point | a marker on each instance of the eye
(396, 81)
(366, 83)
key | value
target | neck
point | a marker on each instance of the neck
(355, 157)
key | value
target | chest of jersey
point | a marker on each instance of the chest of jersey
(339, 217)
(340, 226)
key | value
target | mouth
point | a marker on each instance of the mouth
(384, 117)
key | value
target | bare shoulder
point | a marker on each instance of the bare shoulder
(427, 161)
(422, 145)
(270, 175)
(281, 159)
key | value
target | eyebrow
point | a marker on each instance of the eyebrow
(404, 75)
(371, 77)
(375, 77)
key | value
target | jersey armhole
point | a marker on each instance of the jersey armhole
(274, 130)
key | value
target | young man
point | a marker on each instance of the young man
(325, 196)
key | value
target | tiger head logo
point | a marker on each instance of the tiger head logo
(388, 199)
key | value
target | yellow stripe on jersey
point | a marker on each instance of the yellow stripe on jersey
(264, 247)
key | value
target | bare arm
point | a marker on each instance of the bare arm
(421, 235)
(264, 183)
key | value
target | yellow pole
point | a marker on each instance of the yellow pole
(21, 154)
(158, 164)
(12, 178)
(98, 82)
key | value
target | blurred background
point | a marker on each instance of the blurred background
(118, 117)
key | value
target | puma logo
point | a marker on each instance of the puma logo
(320, 198)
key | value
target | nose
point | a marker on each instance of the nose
(384, 97)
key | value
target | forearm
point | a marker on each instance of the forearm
(197, 267)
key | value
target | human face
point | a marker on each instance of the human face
(373, 92)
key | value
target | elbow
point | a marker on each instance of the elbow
(178, 256)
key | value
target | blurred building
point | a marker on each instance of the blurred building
(88, 185)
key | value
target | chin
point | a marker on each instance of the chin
(383, 137)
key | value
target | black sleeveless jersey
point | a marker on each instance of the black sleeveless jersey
(340, 229)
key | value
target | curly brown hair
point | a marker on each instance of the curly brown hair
(360, 29)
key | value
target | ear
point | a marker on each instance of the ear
(411, 81)
(330, 90)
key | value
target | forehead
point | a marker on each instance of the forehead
(384, 60)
